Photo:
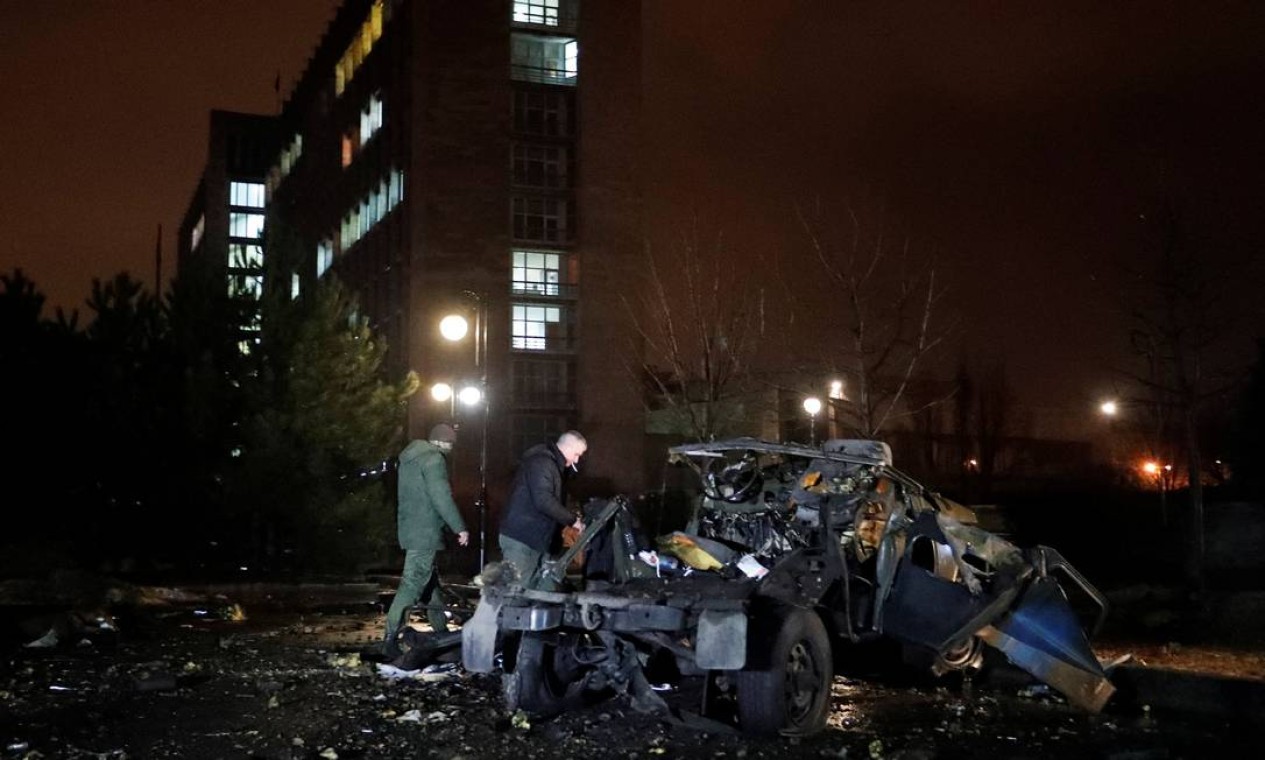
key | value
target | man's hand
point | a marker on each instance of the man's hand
(463, 538)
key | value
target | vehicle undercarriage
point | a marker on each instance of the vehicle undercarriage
(792, 555)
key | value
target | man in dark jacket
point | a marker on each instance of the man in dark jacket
(536, 510)
(425, 508)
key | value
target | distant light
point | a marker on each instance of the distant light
(470, 395)
(1168, 467)
(453, 327)
(1150, 468)
(1109, 408)
(973, 462)
(812, 405)
(441, 391)
(836, 390)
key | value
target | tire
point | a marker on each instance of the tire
(538, 684)
(790, 694)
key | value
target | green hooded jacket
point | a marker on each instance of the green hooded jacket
(425, 498)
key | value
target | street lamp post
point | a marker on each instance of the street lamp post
(812, 405)
(455, 327)
(442, 392)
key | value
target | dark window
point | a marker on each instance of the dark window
(540, 383)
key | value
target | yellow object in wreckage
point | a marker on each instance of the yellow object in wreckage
(689, 550)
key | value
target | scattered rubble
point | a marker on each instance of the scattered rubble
(171, 683)
(184, 674)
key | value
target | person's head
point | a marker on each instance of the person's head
(442, 436)
(572, 445)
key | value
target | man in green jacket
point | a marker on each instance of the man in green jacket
(425, 507)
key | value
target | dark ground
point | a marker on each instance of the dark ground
(168, 682)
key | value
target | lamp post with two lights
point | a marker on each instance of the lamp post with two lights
(455, 328)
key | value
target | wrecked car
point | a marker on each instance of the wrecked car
(791, 555)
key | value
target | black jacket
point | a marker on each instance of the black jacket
(536, 508)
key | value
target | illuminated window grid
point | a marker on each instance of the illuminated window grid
(243, 225)
(368, 34)
(530, 323)
(543, 12)
(246, 194)
(536, 273)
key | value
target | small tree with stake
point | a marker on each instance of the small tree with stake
(886, 298)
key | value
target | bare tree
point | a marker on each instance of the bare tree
(700, 317)
(886, 297)
(1180, 316)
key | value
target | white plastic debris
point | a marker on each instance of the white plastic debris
(412, 716)
(440, 671)
(751, 567)
(392, 673)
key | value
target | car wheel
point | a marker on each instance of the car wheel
(538, 683)
(963, 655)
(791, 692)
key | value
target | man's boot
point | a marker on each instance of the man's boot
(387, 650)
(391, 645)
(437, 619)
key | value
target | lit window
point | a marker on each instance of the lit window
(531, 327)
(371, 118)
(536, 272)
(243, 256)
(396, 193)
(540, 219)
(369, 32)
(324, 256)
(544, 12)
(199, 229)
(294, 287)
(371, 209)
(248, 194)
(242, 225)
(540, 165)
(351, 227)
(348, 149)
(286, 162)
(246, 286)
(551, 60)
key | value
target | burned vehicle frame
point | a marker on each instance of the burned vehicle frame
(791, 554)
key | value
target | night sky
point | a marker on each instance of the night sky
(1022, 142)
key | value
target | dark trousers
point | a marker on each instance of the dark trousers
(418, 581)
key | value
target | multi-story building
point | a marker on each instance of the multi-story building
(442, 156)
(221, 237)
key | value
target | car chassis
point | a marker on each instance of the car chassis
(792, 553)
